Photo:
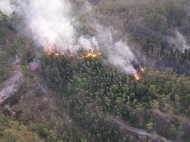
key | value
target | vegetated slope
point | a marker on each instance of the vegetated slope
(12, 131)
(11, 44)
(103, 104)
(148, 26)
(92, 91)
(36, 117)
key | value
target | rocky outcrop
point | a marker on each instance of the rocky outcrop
(11, 86)
(17, 61)
(7, 108)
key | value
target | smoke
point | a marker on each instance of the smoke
(122, 57)
(5, 7)
(88, 44)
(48, 23)
(119, 54)
(179, 41)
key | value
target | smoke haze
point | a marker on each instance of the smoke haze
(5, 7)
(180, 42)
(118, 53)
(48, 24)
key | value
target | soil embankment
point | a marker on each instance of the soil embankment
(11, 86)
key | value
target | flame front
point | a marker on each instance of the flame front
(59, 53)
(71, 54)
(137, 77)
(85, 54)
(142, 69)
(88, 54)
(50, 50)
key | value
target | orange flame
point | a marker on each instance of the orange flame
(142, 69)
(88, 54)
(58, 54)
(51, 50)
(71, 54)
(137, 77)
(85, 54)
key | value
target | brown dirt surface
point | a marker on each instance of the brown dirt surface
(15, 100)
(172, 116)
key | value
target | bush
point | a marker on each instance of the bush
(38, 93)
(1, 135)
(2, 72)
(43, 131)
(23, 70)
(10, 135)
(186, 138)
(176, 111)
(22, 128)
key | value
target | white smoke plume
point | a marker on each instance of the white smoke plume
(48, 23)
(118, 53)
(122, 57)
(179, 41)
(5, 7)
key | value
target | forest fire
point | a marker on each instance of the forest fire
(50, 50)
(138, 76)
(71, 54)
(142, 69)
(88, 54)
(85, 54)
(58, 54)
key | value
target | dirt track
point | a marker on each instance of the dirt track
(171, 116)
(141, 132)
(16, 77)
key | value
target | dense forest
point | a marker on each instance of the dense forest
(101, 102)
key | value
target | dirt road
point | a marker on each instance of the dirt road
(171, 116)
(141, 132)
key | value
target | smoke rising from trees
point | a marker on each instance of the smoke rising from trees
(48, 23)
(5, 7)
(118, 53)
(179, 41)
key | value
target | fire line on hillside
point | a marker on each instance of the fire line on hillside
(85, 54)
(137, 76)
